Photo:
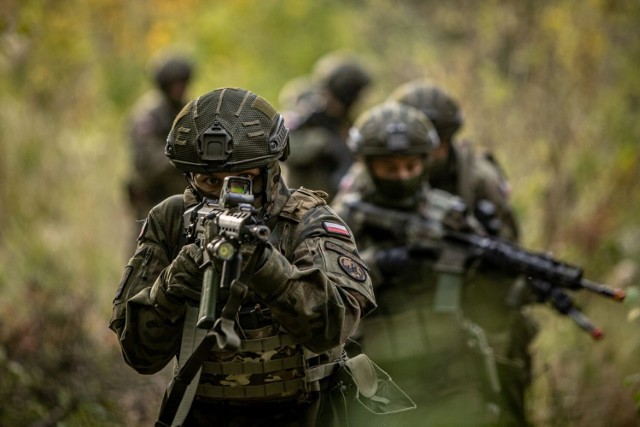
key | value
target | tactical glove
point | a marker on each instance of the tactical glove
(184, 275)
(393, 261)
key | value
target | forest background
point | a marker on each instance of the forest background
(550, 86)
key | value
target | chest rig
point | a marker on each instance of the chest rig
(269, 365)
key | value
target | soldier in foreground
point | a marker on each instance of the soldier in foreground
(152, 178)
(320, 119)
(434, 312)
(306, 287)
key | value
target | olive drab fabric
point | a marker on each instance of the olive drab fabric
(152, 178)
(438, 322)
(303, 304)
(476, 176)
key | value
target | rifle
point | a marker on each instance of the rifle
(547, 276)
(221, 230)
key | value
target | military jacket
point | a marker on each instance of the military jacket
(476, 176)
(314, 286)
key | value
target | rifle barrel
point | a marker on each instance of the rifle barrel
(615, 293)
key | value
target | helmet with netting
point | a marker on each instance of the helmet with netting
(392, 129)
(343, 75)
(442, 110)
(227, 130)
(169, 68)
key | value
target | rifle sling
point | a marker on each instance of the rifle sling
(180, 393)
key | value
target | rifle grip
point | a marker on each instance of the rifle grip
(207, 311)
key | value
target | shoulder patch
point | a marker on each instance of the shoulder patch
(339, 249)
(352, 268)
(335, 228)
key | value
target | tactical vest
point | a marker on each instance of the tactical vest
(269, 365)
(419, 328)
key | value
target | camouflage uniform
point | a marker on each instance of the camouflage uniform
(153, 178)
(432, 340)
(305, 298)
(319, 121)
(476, 177)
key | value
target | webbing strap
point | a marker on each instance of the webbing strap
(226, 368)
(321, 371)
(268, 343)
(274, 389)
(450, 268)
(191, 336)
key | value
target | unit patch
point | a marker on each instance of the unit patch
(352, 268)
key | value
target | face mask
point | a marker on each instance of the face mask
(398, 190)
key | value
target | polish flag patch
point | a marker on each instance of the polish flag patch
(336, 228)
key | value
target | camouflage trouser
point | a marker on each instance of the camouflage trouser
(514, 370)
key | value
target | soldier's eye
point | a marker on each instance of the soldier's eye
(213, 181)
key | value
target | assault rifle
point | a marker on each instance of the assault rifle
(221, 230)
(547, 276)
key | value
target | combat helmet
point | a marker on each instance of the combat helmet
(343, 75)
(230, 130)
(169, 68)
(392, 128)
(443, 111)
(387, 130)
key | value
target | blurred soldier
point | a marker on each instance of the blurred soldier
(153, 178)
(307, 292)
(320, 120)
(456, 166)
(435, 312)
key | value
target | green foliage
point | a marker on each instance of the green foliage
(550, 86)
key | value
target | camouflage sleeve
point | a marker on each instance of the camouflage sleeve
(493, 186)
(148, 336)
(320, 295)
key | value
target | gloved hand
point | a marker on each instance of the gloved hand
(393, 261)
(184, 275)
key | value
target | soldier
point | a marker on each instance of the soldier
(153, 178)
(435, 313)
(308, 291)
(456, 166)
(320, 121)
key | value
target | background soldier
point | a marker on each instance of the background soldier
(435, 314)
(456, 166)
(320, 120)
(307, 293)
(152, 178)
